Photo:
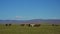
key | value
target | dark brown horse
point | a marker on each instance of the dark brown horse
(6, 24)
(22, 24)
(9, 24)
(37, 25)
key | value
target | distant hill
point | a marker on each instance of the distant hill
(50, 21)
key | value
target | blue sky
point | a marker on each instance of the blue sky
(29, 9)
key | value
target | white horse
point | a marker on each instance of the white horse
(32, 25)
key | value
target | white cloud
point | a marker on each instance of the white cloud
(19, 17)
(51, 18)
(56, 18)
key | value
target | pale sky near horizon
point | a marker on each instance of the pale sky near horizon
(29, 9)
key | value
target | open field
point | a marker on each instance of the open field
(17, 29)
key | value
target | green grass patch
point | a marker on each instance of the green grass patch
(17, 29)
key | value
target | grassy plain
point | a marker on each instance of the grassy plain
(17, 29)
